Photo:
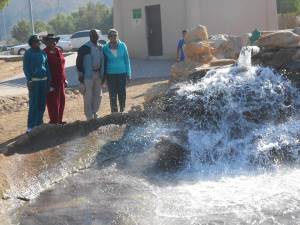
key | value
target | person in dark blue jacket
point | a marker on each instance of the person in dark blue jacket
(117, 70)
(37, 73)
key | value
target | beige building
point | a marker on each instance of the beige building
(153, 27)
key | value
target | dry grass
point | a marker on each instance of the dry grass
(10, 69)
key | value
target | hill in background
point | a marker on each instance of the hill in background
(42, 9)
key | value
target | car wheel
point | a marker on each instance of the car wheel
(22, 51)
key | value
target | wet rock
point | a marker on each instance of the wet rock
(281, 155)
(46, 136)
(280, 39)
(197, 34)
(172, 155)
(155, 92)
(285, 60)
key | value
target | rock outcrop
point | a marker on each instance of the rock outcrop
(281, 51)
(202, 52)
(228, 46)
(280, 39)
(197, 34)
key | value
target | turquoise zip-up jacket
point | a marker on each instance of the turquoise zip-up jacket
(35, 65)
(119, 64)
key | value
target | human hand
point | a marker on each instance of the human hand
(51, 89)
(66, 84)
(128, 79)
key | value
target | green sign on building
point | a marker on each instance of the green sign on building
(137, 13)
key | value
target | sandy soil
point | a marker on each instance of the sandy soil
(14, 109)
(10, 69)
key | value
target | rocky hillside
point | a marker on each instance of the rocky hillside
(42, 9)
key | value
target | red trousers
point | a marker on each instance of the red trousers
(56, 104)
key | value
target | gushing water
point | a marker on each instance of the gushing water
(247, 52)
(239, 132)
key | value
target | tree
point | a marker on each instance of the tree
(3, 3)
(288, 6)
(41, 26)
(98, 16)
(21, 31)
(63, 24)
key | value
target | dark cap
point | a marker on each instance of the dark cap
(32, 39)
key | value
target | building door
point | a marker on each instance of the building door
(154, 31)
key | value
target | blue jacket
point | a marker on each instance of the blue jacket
(84, 61)
(35, 65)
(119, 64)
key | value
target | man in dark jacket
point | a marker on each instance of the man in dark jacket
(90, 66)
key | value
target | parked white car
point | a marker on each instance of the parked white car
(65, 37)
(65, 46)
(81, 37)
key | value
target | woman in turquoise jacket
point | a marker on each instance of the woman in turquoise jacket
(117, 70)
(36, 70)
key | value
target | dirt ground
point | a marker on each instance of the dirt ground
(10, 69)
(14, 110)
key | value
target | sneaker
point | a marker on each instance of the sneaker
(29, 130)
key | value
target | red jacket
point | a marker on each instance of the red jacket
(56, 61)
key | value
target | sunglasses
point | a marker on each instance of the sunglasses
(113, 35)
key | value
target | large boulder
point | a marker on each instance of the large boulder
(197, 34)
(198, 52)
(280, 39)
(228, 46)
(283, 58)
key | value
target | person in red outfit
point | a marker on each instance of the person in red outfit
(56, 96)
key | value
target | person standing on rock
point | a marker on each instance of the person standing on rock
(180, 48)
(90, 66)
(37, 73)
(118, 70)
(56, 96)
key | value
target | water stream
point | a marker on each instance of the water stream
(237, 142)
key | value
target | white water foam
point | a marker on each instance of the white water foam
(243, 135)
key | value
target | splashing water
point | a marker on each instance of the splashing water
(247, 52)
(241, 129)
